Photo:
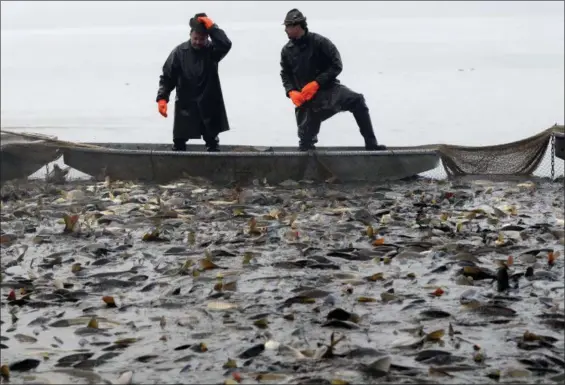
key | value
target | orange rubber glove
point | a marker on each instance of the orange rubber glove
(208, 23)
(297, 98)
(162, 104)
(310, 90)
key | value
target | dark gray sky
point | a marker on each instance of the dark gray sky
(65, 14)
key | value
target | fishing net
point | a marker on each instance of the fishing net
(520, 158)
(22, 155)
(34, 146)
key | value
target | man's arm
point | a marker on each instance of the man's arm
(167, 80)
(286, 75)
(221, 44)
(330, 51)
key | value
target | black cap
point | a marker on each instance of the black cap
(196, 25)
(294, 16)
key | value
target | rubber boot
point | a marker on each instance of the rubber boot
(363, 120)
(179, 145)
(305, 144)
(212, 144)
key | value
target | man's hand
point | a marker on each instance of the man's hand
(310, 90)
(162, 104)
(208, 23)
(297, 98)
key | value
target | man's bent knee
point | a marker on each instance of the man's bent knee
(355, 102)
(360, 102)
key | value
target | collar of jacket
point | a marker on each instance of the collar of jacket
(302, 40)
(188, 45)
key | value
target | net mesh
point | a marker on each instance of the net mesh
(518, 158)
(532, 156)
(33, 146)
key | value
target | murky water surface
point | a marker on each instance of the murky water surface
(413, 282)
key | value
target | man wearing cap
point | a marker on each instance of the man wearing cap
(192, 68)
(310, 64)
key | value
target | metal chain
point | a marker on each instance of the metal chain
(552, 157)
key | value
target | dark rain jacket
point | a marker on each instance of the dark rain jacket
(315, 57)
(199, 104)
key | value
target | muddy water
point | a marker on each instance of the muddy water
(419, 282)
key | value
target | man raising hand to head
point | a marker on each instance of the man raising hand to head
(192, 68)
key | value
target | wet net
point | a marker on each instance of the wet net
(520, 158)
(37, 155)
